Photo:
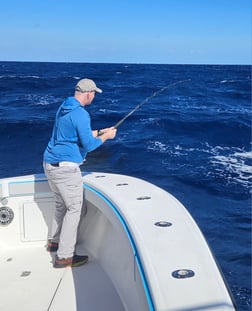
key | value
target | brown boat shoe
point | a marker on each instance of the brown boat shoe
(74, 261)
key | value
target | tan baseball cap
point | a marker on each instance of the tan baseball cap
(87, 85)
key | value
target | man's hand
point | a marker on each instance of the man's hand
(107, 133)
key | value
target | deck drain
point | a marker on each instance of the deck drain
(25, 273)
(183, 274)
(163, 223)
(144, 198)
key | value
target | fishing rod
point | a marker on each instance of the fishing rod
(146, 100)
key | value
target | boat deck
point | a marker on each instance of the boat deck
(146, 251)
(29, 275)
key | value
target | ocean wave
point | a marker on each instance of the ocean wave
(228, 81)
(41, 100)
(158, 146)
(235, 167)
(19, 77)
(150, 120)
(246, 155)
(229, 165)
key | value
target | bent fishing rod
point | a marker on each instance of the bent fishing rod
(143, 102)
(146, 100)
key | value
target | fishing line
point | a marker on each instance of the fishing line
(146, 100)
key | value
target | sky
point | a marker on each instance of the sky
(126, 31)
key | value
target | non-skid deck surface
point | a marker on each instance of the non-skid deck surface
(29, 282)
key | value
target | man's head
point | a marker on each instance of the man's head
(85, 91)
(87, 85)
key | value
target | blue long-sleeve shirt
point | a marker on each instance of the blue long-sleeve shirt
(72, 136)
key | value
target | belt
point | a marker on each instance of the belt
(65, 163)
(55, 164)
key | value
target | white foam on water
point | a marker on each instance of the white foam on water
(157, 146)
(232, 164)
(19, 77)
(228, 81)
(41, 100)
(236, 167)
(28, 77)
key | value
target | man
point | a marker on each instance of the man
(72, 138)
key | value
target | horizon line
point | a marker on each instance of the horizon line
(123, 63)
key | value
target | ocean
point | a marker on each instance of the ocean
(193, 139)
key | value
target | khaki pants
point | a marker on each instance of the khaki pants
(67, 185)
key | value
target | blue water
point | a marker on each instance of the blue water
(193, 139)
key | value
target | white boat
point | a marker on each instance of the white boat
(145, 251)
